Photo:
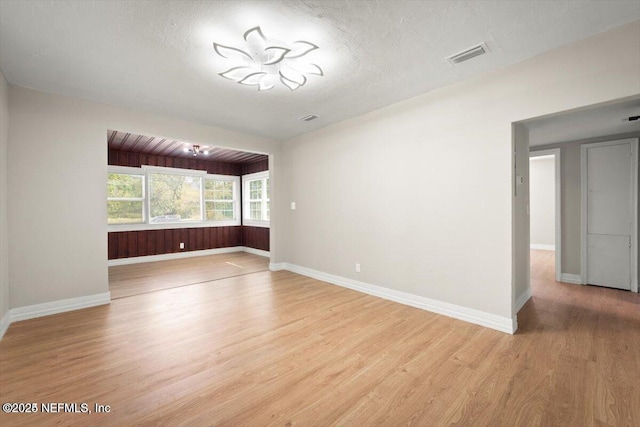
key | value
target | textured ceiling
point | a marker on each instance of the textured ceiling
(158, 56)
(125, 141)
(585, 123)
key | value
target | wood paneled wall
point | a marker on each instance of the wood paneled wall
(255, 237)
(127, 158)
(255, 167)
(127, 244)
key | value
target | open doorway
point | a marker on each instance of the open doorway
(183, 213)
(545, 214)
(551, 193)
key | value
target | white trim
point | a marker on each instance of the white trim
(493, 321)
(246, 199)
(176, 255)
(570, 278)
(277, 266)
(186, 254)
(543, 247)
(557, 154)
(60, 306)
(5, 322)
(634, 201)
(169, 225)
(254, 223)
(145, 170)
(523, 299)
(173, 171)
(255, 251)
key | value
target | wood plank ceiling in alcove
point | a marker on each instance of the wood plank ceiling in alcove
(124, 141)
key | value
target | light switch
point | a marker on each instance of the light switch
(293, 206)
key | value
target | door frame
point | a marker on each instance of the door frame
(556, 152)
(634, 201)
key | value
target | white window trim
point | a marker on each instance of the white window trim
(245, 200)
(145, 170)
(236, 198)
(124, 170)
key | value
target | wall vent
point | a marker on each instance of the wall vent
(308, 117)
(467, 54)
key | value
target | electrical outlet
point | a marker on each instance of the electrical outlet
(181, 245)
(357, 268)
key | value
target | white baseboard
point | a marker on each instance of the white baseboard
(543, 247)
(256, 251)
(500, 323)
(277, 266)
(60, 306)
(4, 323)
(188, 254)
(523, 300)
(571, 278)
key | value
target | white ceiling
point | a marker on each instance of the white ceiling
(158, 56)
(586, 123)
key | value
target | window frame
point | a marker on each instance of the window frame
(123, 170)
(145, 170)
(246, 200)
(236, 199)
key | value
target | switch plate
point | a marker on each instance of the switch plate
(293, 206)
(357, 268)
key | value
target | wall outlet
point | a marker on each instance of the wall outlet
(357, 268)
(181, 245)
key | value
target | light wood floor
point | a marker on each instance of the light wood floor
(136, 279)
(276, 348)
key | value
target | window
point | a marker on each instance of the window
(125, 199)
(174, 197)
(156, 197)
(256, 199)
(220, 198)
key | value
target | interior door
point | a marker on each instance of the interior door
(610, 213)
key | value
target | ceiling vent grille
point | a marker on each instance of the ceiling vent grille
(308, 117)
(467, 54)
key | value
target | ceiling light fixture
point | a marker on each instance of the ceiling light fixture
(195, 150)
(263, 62)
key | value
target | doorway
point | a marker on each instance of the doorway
(545, 206)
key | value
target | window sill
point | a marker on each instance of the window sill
(254, 223)
(170, 225)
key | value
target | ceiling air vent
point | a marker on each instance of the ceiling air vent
(467, 54)
(308, 117)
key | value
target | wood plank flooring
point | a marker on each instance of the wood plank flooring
(136, 279)
(276, 348)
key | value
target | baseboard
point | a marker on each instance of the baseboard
(256, 251)
(523, 300)
(61, 306)
(177, 255)
(4, 323)
(571, 278)
(500, 323)
(277, 266)
(543, 247)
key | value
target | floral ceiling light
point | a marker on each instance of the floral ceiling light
(263, 62)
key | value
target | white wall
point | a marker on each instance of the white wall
(4, 247)
(542, 195)
(521, 270)
(420, 192)
(57, 192)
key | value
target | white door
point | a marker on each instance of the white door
(610, 181)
